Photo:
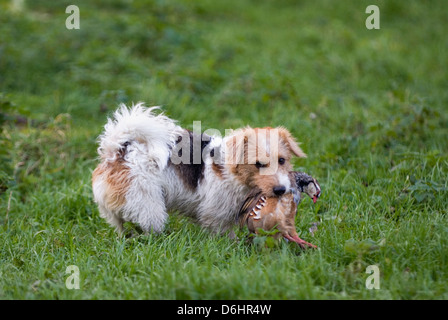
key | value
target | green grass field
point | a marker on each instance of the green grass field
(369, 106)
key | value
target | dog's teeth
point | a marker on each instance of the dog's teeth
(257, 214)
(258, 206)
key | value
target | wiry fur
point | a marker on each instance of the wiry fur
(138, 181)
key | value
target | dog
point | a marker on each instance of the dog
(150, 166)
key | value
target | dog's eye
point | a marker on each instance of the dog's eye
(260, 165)
(281, 161)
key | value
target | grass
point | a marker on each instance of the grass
(369, 106)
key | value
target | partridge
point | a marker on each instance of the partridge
(267, 213)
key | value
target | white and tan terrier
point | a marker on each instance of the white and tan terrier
(151, 166)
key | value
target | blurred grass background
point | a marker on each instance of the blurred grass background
(369, 106)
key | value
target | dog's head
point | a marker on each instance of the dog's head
(261, 157)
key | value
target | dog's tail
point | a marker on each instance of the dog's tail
(139, 130)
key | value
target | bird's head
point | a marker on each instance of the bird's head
(307, 184)
(313, 190)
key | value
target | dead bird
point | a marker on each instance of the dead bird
(261, 212)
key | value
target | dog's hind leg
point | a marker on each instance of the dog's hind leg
(145, 205)
(113, 219)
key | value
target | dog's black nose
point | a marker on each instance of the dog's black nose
(279, 190)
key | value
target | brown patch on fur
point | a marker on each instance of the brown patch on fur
(218, 169)
(117, 180)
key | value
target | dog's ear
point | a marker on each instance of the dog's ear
(291, 142)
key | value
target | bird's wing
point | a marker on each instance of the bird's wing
(249, 203)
